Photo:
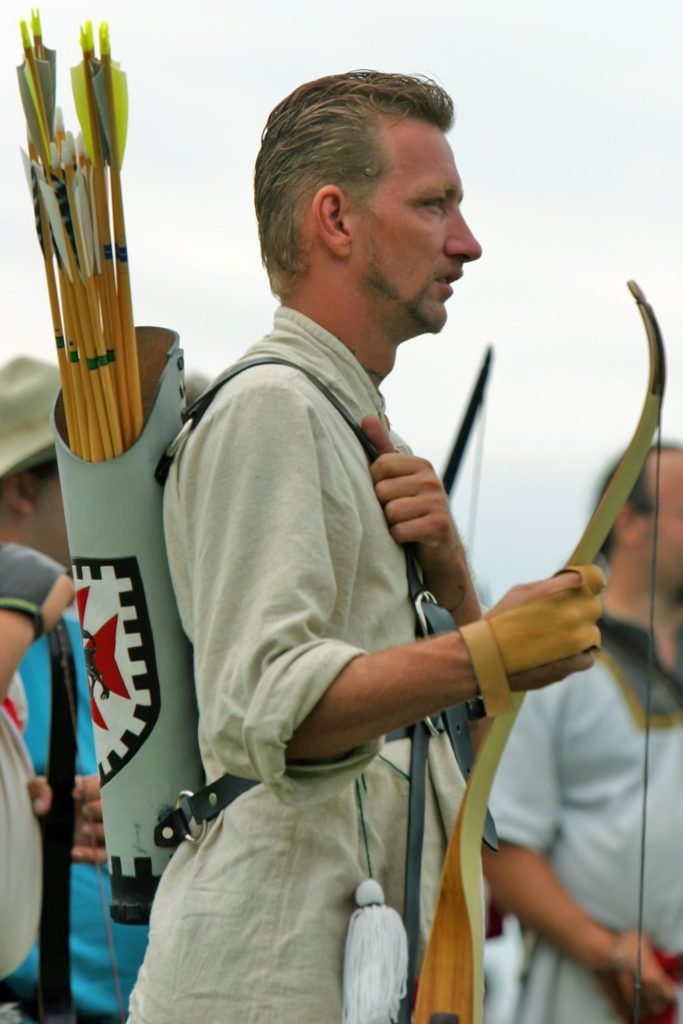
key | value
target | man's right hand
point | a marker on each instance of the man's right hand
(547, 630)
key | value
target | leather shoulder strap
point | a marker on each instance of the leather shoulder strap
(196, 411)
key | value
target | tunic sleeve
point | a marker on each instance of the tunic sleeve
(264, 535)
(526, 796)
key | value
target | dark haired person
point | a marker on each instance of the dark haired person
(568, 796)
(32, 520)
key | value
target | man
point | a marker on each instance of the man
(31, 515)
(287, 556)
(568, 796)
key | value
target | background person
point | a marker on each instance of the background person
(33, 593)
(31, 514)
(568, 795)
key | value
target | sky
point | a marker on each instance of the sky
(569, 142)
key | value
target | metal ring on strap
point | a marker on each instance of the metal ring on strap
(189, 837)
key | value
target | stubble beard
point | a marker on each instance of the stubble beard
(412, 312)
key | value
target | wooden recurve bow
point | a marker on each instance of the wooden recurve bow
(451, 981)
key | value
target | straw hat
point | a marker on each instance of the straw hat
(28, 388)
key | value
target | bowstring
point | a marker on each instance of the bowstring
(651, 657)
(476, 480)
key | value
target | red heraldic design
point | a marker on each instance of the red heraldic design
(119, 658)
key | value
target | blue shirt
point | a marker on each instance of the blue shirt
(92, 972)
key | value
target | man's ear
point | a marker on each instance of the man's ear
(332, 214)
(19, 493)
(630, 526)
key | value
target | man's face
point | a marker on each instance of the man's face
(670, 522)
(415, 239)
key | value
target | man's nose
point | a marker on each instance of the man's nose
(461, 242)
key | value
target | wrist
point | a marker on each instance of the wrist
(452, 586)
(600, 949)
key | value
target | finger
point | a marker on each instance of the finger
(93, 811)
(89, 855)
(96, 831)
(86, 788)
(611, 990)
(399, 476)
(655, 980)
(565, 579)
(592, 577)
(89, 832)
(377, 434)
(544, 675)
(40, 793)
(627, 988)
(413, 506)
(525, 593)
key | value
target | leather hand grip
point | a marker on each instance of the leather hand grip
(533, 634)
(488, 666)
(553, 627)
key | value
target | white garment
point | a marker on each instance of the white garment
(284, 571)
(570, 786)
(20, 847)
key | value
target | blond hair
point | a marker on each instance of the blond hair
(326, 132)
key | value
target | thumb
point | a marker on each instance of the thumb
(377, 434)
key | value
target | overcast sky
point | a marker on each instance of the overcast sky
(569, 142)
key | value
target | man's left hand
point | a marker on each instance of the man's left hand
(416, 509)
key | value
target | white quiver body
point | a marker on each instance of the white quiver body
(138, 660)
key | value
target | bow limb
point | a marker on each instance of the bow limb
(474, 405)
(451, 981)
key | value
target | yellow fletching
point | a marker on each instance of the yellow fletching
(78, 88)
(45, 141)
(120, 88)
(105, 46)
(25, 37)
(35, 23)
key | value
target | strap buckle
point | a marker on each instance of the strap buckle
(420, 599)
(183, 805)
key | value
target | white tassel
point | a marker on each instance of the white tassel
(375, 960)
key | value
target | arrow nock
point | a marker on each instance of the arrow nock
(105, 46)
(35, 23)
(25, 37)
(87, 39)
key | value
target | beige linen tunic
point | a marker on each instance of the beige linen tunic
(284, 572)
(21, 850)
